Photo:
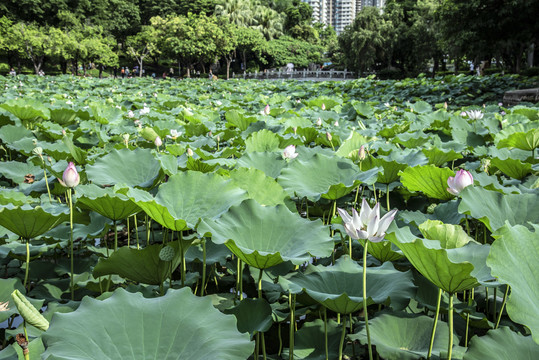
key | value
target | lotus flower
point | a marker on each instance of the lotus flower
(475, 114)
(145, 110)
(190, 152)
(130, 114)
(367, 225)
(267, 110)
(462, 179)
(70, 178)
(290, 152)
(336, 123)
(174, 134)
(361, 153)
(158, 142)
(319, 122)
(323, 106)
(328, 135)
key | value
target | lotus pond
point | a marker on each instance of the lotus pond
(144, 219)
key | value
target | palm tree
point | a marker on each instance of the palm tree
(239, 12)
(269, 22)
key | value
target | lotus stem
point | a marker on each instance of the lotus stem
(326, 332)
(292, 305)
(27, 263)
(115, 236)
(486, 300)
(182, 255)
(350, 247)
(450, 321)
(435, 322)
(503, 305)
(136, 231)
(343, 335)
(72, 285)
(470, 299)
(260, 297)
(46, 180)
(357, 190)
(280, 339)
(374, 191)
(128, 233)
(203, 287)
(365, 310)
(494, 304)
(148, 230)
(387, 196)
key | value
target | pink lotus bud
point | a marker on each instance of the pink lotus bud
(445, 105)
(336, 123)
(295, 130)
(189, 152)
(158, 142)
(361, 153)
(71, 176)
(328, 135)
(267, 109)
(462, 179)
(63, 132)
(323, 106)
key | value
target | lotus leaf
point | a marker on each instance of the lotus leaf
(163, 328)
(249, 230)
(263, 140)
(28, 221)
(264, 189)
(269, 162)
(429, 179)
(323, 176)
(309, 343)
(451, 269)
(142, 265)
(401, 336)
(513, 259)
(512, 167)
(106, 202)
(340, 288)
(130, 167)
(252, 315)
(494, 208)
(438, 157)
(502, 344)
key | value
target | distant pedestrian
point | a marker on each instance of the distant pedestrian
(210, 75)
(165, 75)
(122, 72)
(13, 72)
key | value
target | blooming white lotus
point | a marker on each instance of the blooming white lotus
(290, 152)
(367, 224)
(475, 114)
(319, 122)
(174, 134)
(323, 106)
(462, 179)
(130, 114)
(145, 110)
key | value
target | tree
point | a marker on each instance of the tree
(227, 43)
(289, 50)
(239, 12)
(269, 22)
(362, 43)
(143, 44)
(250, 41)
(35, 41)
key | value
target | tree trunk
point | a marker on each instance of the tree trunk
(101, 71)
(435, 66)
(531, 51)
(518, 59)
(179, 68)
(244, 59)
(228, 62)
(188, 71)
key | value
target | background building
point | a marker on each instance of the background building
(339, 13)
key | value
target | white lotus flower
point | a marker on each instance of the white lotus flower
(130, 114)
(367, 225)
(319, 122)
(290, 152)
(145, 110)
(323, 106)
(174, 134)
(158, 142)
(336, 123)
(475, 114)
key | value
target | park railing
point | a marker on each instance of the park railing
(297, 74)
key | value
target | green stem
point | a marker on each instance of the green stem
(486, 300)
(46, 180)
(280, 339)
(128, 233)
(494, 304)
(27, 264)
(357, 192)
(72, 285)
(260, 297)
(115, 236)
(148, 224)
(374, 191)
(136, 231)
(203, 267)
(292, 305)
(343, 335)
(387, 197)
(470, 299)
(435, 323)
(450, 321)
(350, 246)
(365, 310)
(182, 265)
(503, 305)
(241, 279)
(326, 332)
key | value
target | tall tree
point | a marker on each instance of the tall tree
(142, 45)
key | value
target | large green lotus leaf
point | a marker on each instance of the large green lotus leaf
(106, 202)
(512, 167)
(309, 343)
(513, 259)
(239, 120)
(252, 315)
(450, 236)
(429, 179)
(142, 265)
(451, 270)
(263, 140)
(187, 197)
(264, 189)
(383, 250)
(340, 287)
(401, 336)
(63, 116)
(106, 114)
(502, 344)
(130, 167)
(411, 140)
(27, 110)
(350, 147)
(323, 176)
(28, 221)
(12, 133)
(494, 208)
(439, 157)
(128, 326)
(264, 236)
(16, 171)
(391, 168)
(528, 140)
(269, 162)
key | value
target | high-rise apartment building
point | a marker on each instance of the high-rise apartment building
(339, 13)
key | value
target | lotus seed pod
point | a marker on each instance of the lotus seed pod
(167, 253)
